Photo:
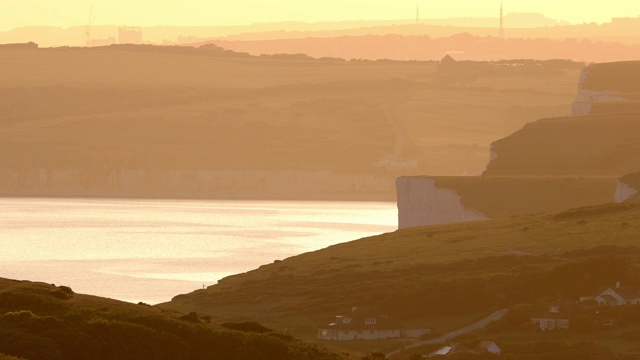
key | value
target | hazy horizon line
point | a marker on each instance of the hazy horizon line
(423, 21)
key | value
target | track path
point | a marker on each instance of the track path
(451, 334)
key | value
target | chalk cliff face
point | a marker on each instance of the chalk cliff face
(608, 88)
(493, 154)
(624, 192)
(585, 97)
(421, 203)
(236, 184)
(550, 165)
(628, 188)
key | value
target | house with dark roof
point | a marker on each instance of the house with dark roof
(555, 317)
(360, 325)
(447, 60)
(618, 296)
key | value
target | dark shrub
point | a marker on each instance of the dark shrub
(249, 326)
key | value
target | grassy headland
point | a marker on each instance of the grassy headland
(422, 275)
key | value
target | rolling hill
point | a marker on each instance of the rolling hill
(600, 145)
(43, 321)
(184, 122)
(425, 276)
(549, 165)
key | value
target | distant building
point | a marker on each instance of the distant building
(129, 35)
(361, 325)
(618, 296)
(489, 346)
(445, 350)
(484, 346)
(556, 317)
(626, 21)
(447, 60)
(101, 42)
(605, 321)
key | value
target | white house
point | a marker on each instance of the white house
(360, 325)
(552, 319)
(489, 346)
(484, 346)
(619, 296)
(445, 350)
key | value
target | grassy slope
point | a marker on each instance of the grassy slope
(42, 321)
(102, 109)
(633, 180)
(418, 274)
(607, 144)
(554, 164)
(622, 76)
(500, 196)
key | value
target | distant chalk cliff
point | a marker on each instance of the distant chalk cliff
(212, 184)
(628, 187)
(624, 192)
(421, 203)
(550, 165)
(585, 97)
(608, 88)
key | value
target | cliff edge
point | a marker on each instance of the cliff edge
(550, 165)
(421, 202)
(607, 88)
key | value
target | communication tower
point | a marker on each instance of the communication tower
(501, 30)
(87, 31)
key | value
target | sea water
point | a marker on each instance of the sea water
(152, 250)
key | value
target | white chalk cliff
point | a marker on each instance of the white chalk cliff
(585, 98)
(287, 184)
(624, 192)
(421, 203)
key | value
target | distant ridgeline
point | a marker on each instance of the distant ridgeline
(608, 88)
(550, 165)
(20, 46)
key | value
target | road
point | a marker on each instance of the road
(452, 334)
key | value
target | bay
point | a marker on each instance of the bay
(152, 250)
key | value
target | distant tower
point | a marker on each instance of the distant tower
(417, 14)
(501, 31)
(87, 31)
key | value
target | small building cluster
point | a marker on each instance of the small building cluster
(129, 35)
(362, 325)
(555, 317)
(558, 316)
(618, 296)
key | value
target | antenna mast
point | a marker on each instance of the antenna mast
(501, 30)
(87, 31)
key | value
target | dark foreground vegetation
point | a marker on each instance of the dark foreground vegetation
(40, 321)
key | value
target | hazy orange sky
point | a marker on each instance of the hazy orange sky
(18, 13)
